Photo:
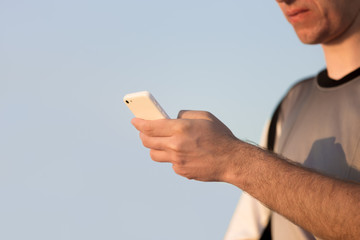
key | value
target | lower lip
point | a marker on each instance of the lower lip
(299, 17)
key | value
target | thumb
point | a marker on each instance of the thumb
(187, 114)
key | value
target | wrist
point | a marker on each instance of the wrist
(246, 165)
(237, 158)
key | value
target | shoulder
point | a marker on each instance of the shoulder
(298, 91)
(302, 85)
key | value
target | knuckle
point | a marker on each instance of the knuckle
(186, 125)
(147, 128)
(144, 140)
(207, 115)
(177, 145)
(178, 160)
(179, 170)
(185, 128)
(184, 113)
(195, 115)
(152, 154)
(181, 127)
(173, 145)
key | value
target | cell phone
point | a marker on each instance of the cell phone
(144, 105)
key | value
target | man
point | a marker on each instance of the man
(318, 126)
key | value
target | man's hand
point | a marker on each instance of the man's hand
(201, 147)
(197, 144)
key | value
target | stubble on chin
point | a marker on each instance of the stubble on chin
(312, 33)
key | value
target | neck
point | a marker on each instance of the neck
(342, 55)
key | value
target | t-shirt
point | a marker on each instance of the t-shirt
(318, 126)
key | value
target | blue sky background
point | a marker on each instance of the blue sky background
(71, 164)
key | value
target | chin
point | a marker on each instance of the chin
(313, 36)
(310, 41)
(324, 38)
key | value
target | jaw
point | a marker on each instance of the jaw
(328, 27)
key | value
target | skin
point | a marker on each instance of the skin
(332, 18)
(201, 147)
(332, 23)
(299, 194)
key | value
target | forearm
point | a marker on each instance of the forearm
(200, 147)
(327, 207)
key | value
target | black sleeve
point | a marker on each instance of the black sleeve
(272, 129)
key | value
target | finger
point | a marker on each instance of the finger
(157, 143)
(200, 115)
(187, 114)
(159, 156)
(156, 128)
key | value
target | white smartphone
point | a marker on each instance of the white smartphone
(144, 105)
